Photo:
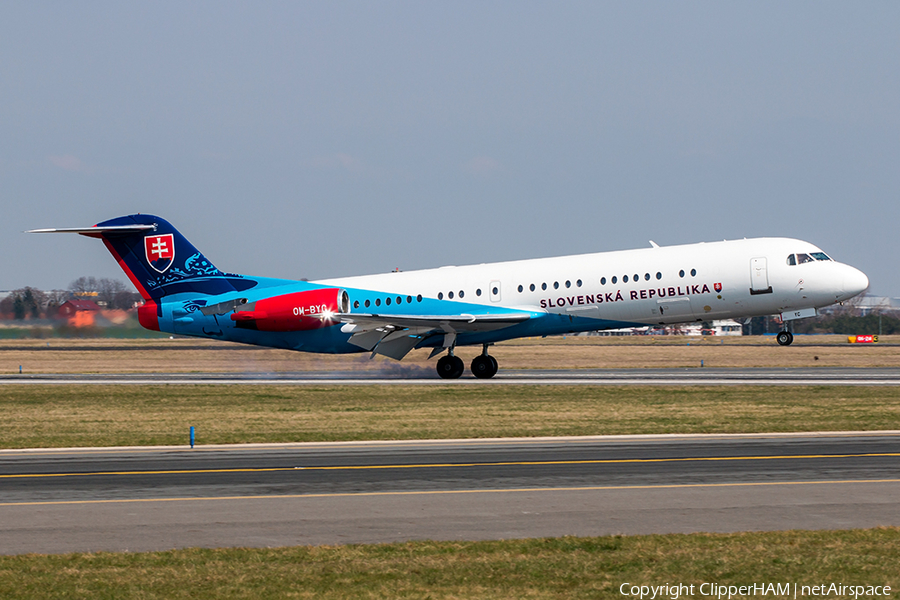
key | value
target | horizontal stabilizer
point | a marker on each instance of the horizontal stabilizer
(96, 231)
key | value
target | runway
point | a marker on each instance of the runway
(403, 375)
(136, 499)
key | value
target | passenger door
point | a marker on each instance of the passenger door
(759, 277)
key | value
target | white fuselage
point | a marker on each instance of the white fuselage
(657, 285)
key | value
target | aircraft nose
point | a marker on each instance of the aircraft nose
(855, 282)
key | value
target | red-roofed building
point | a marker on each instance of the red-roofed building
(80, 313)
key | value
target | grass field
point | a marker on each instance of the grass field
(190, 355)
(86, 415)
(540, 568)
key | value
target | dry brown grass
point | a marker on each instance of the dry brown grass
(114, 415)
(209, 356)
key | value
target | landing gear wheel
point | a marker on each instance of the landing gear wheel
(450, 367)
(484, 366)
(785, 338)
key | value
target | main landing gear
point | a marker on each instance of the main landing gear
(450, 367)
(484, 366)
(784, 338)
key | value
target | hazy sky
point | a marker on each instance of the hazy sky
(322, 139)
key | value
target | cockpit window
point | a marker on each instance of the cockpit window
(804, 258)
(820, 256)
(792, 260)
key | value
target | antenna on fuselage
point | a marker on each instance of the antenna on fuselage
(654, 244)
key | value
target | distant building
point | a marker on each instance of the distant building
(726, 327)
(878, 304)
(79, 313)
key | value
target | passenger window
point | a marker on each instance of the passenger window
(568, 284)
(478, 291)
(637, 277)
(578, 283)
(399, 300)
(792, 260)
(543, 286)
(495, 291)
(462, 294)
(646, 276)
(377, 301)
(693, 272)
(450, 295)
(555, 285)
(440, 295)
(387, 301)
(614, 280)
(367, 303)
(521, 289)
(409, 299)
(531, 287)
(603, 281)
(681, 273)
(658, 275)
(624, 279)
(356, 304)
(419, 298)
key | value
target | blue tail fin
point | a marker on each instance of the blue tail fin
(160, 261)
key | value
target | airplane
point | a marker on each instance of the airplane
(391, 314)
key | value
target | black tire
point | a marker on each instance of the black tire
(785, 338)
(450, 367)
(484, 366)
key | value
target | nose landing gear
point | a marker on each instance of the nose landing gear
(784, 338)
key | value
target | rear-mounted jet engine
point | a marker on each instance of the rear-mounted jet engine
(299, 311)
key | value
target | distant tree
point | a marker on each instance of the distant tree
(844, 323)
(111, 293)
(125, 300)
(107, 289)
(84, 284)
(6, 306)
(54, 299)
(25, 302)
(34, 300)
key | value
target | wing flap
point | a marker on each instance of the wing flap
(460, 323)
(395, 336)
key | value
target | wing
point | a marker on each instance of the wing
(395, 335)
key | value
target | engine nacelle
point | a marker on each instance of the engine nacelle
(299, 311)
